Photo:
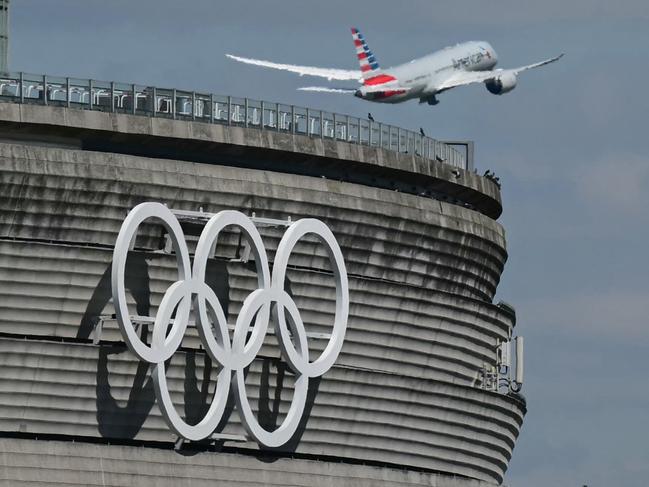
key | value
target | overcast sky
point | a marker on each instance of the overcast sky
(570, 144)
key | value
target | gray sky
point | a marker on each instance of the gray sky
(570, 145)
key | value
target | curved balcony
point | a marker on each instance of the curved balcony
(151, 101)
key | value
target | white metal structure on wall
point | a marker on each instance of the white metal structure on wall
(233, 357)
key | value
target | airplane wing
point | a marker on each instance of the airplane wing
(327, 89)
(384, 87)
(464, 78)
(536, 65)
(365, 89)
(329, 73)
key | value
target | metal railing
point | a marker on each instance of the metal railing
(110, 96)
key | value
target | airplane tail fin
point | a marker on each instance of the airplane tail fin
(369, 65)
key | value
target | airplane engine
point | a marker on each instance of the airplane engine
(502, 84)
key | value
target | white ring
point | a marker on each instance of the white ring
(212, 418)
(126, 234)
(286, 430)
(297, 360)
(207, 240)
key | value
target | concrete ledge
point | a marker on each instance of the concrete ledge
(41, 462)
(282, 152)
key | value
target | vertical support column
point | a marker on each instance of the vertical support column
(347, 134)
(468, 164)
(293, 121)
(21, 87)
(261, 116)
(173, 103)
(245, 109)
(193, 105)
(321, 125)
(4, 36)
(44, 90)
(112, 96)
(212, 114)
(229, 110)
(90, 93)
(154, 94)
(277, 117)
(380, 135)
(358, 134)
(308, 122)
(519, 360)
(134, 95)
(68, 94)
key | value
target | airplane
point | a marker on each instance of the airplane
(424, 78)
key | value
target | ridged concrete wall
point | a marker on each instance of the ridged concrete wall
(83, 197)
(422, 277)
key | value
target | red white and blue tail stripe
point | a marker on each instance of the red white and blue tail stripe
(376, 83)
(366, 58)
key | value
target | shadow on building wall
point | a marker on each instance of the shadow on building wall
(268, 415)
(115, 421)
(269, 408)
(123, 418)
(136, 281)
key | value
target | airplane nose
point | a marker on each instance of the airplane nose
(358, 94)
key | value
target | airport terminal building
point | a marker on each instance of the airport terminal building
(372, 355)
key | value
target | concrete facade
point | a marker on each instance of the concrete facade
(401, 406)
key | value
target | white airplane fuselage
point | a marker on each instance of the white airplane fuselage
(421, 76)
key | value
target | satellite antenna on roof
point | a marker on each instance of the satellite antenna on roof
(4, 36)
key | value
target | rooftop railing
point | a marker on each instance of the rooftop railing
(110, 96)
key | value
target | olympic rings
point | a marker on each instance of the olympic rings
(235, 356)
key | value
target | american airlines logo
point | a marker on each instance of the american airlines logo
(470, 60)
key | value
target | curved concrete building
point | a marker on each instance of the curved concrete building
(406, 402)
